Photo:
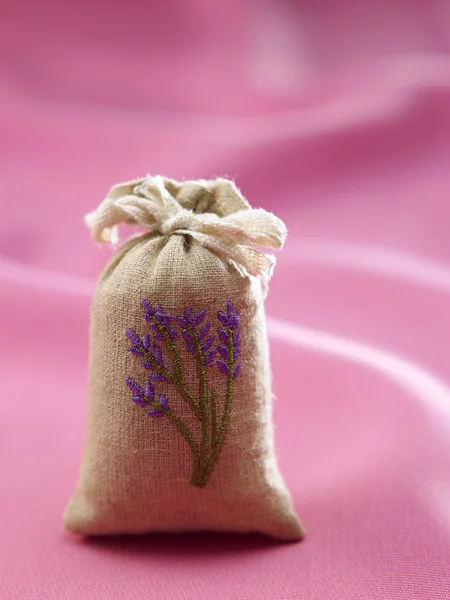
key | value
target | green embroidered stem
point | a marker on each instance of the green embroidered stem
(172, 377)
(214, 418)
(178, 365)
(181, 428)
(203, 396)
(226, 413)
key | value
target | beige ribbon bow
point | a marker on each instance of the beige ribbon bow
(241, 236)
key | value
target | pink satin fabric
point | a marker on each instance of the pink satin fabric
(337, 117)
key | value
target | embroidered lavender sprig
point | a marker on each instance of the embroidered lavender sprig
(230, 330)
(194, 327)
(219, 349)
(147, 398)
(229, 365)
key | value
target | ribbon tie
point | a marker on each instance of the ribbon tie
(240, 236)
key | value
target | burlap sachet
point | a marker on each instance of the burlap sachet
(179, 433)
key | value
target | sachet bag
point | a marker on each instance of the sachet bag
(179, 433)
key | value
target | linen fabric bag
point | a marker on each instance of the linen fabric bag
(179, 433)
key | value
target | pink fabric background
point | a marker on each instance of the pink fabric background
(336, 115)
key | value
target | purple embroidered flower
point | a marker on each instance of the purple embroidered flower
(223, 367)
(223, 351)
(188, 322)
(148, 307)
(230, 338)
(139, 401)
(164, 403)
(147, 397)
(149, 389)
(157, 354)
(147, 342)
(157, 377)
(135, 351)
(157, 334)
(153, 314)
(162, 317)
(134, 387)
(209, 358)
(223, 335)
(198, 318)
(204, 331)
(237, 370)
(231, 319)
(186, 336)
(236, 345)
(133, 337)
(139, 346)
(190, 318)
(207, 344)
